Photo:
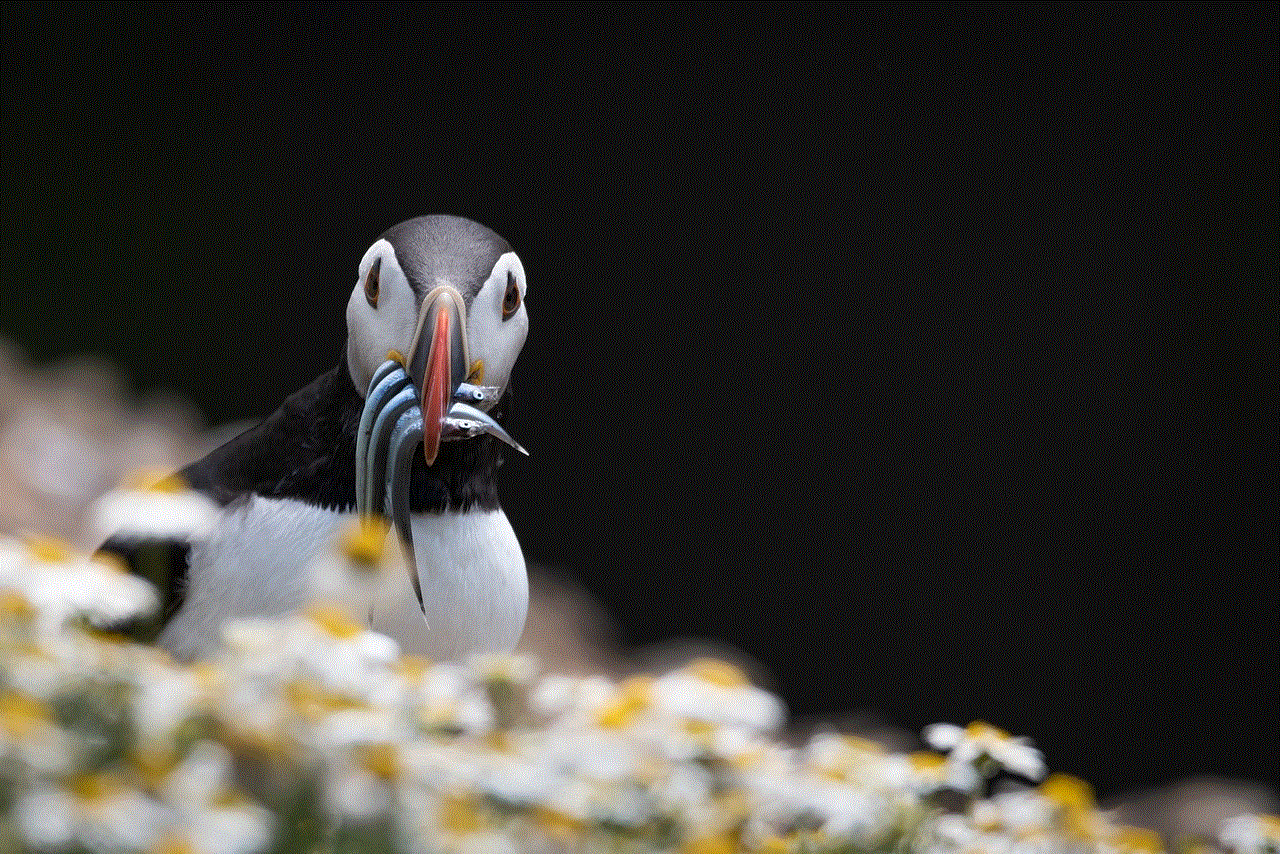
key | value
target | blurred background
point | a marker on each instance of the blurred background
(923, 361)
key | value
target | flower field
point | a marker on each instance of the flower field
(310, 733)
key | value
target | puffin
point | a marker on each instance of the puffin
(408, 427)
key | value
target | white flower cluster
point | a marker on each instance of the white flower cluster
(312, 733)
(1251, 834)
(153, 506)
(62, 586)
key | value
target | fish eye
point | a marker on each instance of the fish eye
(371, 283)
(511, 299)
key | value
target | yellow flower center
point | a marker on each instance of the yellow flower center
(383, 760)
(774, 845)
(20, 714)
(632, 699)
(313, 702)
(13, 605)
(209, 677)
(498, 740)
(927, 761)
(113, 562)
(748, 759)
(720, 843)
(155, 480)
(94, 788)
(152, 766)
(557, 824)
(693, 726)
(49, 550)
(334, 619)
(412, 667)
(104, 636)
(1074, 799)
(862, 745)
(229, 798)
(460, 815)
(175, 845)
(1137, 840)
(1067, 791)
(979, 730)
(362, 542)
(719, 673)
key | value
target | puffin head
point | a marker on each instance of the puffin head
(435, 323)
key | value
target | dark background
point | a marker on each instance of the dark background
(928, 357)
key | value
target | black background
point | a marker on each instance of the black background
(928, 357)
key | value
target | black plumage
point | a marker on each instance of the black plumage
(306, 451)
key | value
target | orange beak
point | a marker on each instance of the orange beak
(438, 361)
(436, 391)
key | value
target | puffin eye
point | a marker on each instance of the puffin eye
(511, 299)
(371, 283)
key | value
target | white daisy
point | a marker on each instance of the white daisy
(969, 745)
(924, 772)
(45, 817)
(101, 813)
(446, 698)
(503, 667)
(164, 697)
(717, 693)
(62, 585)
(208, 810)
(153, 506)
(1025, 813)
(1251, 834)
(354, 793)
(519, 781)
(29, 735)
(569, 700)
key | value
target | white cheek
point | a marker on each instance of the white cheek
(493, 339)
(508, 342)
(371, 332)
(358, 340)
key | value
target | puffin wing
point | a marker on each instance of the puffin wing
(304, 450)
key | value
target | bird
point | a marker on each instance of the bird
(407, 425)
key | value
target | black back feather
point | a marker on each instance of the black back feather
(306, 451)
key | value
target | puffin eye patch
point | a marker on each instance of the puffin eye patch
(371, 283)
(511, 299)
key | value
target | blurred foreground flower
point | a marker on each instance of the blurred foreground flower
(61, 585)
(311, 732)
(153, 505)
(1251, 834)
(987, 749)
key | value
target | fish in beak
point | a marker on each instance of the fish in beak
(420, 400)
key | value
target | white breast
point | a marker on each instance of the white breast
(475, 592)
(472, 573)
